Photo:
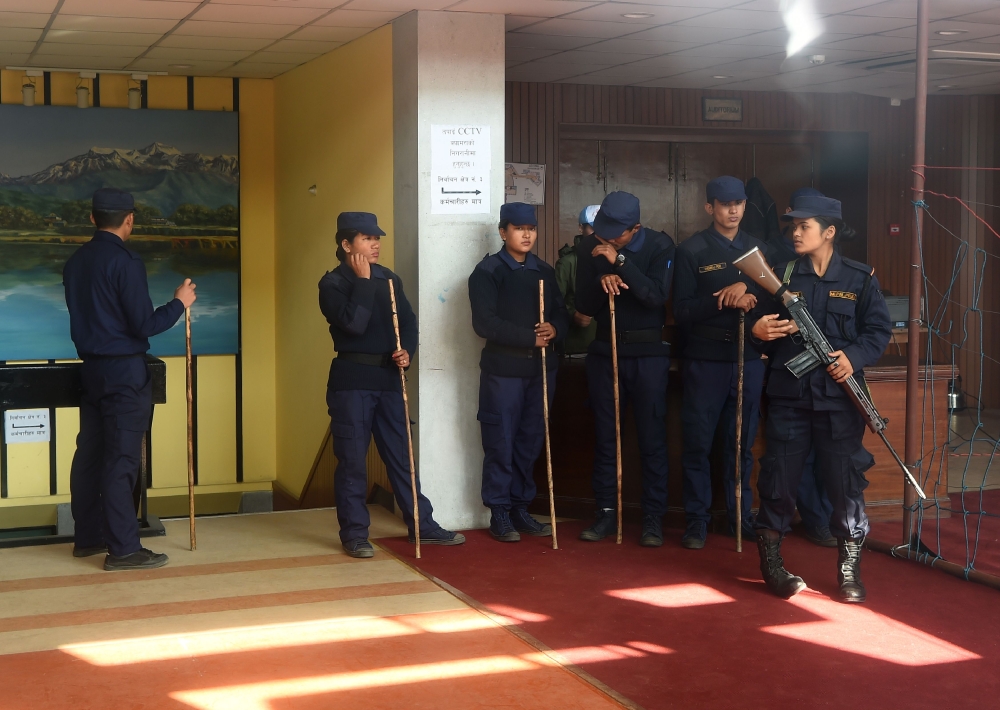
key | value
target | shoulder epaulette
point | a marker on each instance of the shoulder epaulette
(489, 263)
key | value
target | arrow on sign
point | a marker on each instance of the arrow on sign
(459, 192)
(30, 426)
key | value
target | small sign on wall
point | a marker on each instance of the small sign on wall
(26, 425)
(524, 182)
(460, 169)
(722, 109)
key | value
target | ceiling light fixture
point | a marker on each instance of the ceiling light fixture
(638, 15)
(951, 33)
(962, 53)
(946, 86)
(180, 66)
(721, 76)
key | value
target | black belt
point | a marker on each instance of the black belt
(712, 333)
(630, 337)
(525, 353)
(110, 357)
(368, 359)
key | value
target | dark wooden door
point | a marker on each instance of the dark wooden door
(697, 163)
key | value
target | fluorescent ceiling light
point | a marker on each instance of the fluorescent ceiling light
(721, 76)
(950, 33)
(637, 15)
(962, 53)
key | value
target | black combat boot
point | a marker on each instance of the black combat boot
(852, 591)
(779, 580)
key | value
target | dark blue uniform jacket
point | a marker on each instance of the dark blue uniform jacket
(504, 298)
(847, 304)
(648, 271)
(704, 266)
(360, 316)
(110, 312)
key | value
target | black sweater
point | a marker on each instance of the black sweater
(504, 297)
(705, 266)
(360, 316)
(648, 271)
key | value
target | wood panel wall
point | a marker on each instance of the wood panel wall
(960, 132)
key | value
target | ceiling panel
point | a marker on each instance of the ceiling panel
(526, 54)
(293, 58)
(741, 19)
(24, 19)
(597, 59)
(235, 29)
(357, 18)
(741, 51)
(321, 4)
(19, 34)
(580, 28)
(285, 14)
(91, 50)
(110, 39)
(536, 8)
(870, 43)
(197, 67)
(857, 25)
(194, 41)
(28, 5)
(318, 33)
(614, 12)
(112, 24)
(303, 46)
(634, 46)
(399, 6)
(701, 35)
(69, 61)
(16, 46)
(555, 42)
(129, 8)
(969, 30)
(179, 54)
(991, 16)
(908, 8)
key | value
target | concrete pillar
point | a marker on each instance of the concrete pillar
(448, 69)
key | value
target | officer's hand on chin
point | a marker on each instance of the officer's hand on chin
(185, 293)
(360, 266)
(401, 358)
(770, 328)
(730, 296)
(842, 369)
(612, 283)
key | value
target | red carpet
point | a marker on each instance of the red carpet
(675, 628)
(964, 537)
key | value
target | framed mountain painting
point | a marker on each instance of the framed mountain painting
(183, 169)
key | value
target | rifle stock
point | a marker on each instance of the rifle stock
(817, 348)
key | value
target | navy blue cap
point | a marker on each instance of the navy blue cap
(111, 199)
(804, 192)
(725, 188)
(363, 222)
(814, 206)
(518, 213)
(619, 212)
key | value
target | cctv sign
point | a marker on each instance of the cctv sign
(22, 426)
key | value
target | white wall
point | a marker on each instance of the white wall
(448, 68)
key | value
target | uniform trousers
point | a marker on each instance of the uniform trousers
(513, 428)
(811, 500)
(842, 461)
(710, 390)
(357, 415)
(643, 382)
(115, 412)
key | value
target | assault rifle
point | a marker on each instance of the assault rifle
(817, 349)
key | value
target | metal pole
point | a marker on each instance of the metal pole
(911, 450)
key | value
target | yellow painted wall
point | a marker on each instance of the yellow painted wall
(28, 470)
(333, 121)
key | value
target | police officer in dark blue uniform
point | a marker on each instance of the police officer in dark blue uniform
(503, 291)
(709, 292)
(845, 300)
(111, 320)
(636, 264)
(363, 392)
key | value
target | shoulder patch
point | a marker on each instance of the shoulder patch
(849, 295)
(859, 266)
(489, 263)
(694, 244)
(712, 267)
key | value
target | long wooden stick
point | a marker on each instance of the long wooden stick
(618, 412)
(741, 342)
(545, 414)
(409, 432)
(190, 424)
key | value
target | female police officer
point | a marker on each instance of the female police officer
(363, 391)
(844, 298)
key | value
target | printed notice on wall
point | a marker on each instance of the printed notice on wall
(24, 425)
(524, 182)
(460, 169)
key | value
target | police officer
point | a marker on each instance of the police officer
(636, 264)
(582, 329)
(503, 290)
(844, 298)
(111, 320)
(709, 292)
(363, 392)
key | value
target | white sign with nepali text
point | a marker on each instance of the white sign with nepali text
(460, 169)
(25, 425)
